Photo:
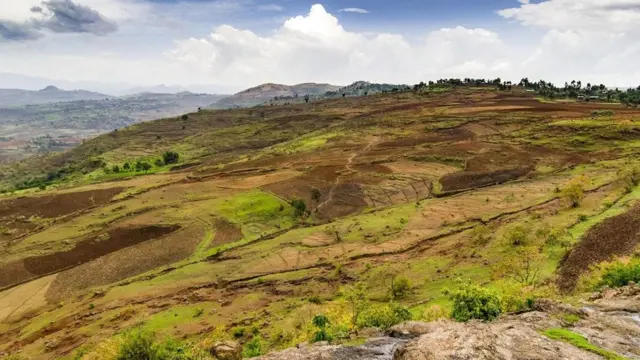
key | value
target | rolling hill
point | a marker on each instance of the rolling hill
(50, 94)
(277, 225)
(265, 92)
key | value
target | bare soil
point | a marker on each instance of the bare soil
(226, 232)
(83, 252)
(52, 206)
(615, 236)
(470, 179)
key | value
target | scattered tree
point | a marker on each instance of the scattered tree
(356, 297)
(170, 157)
(306, 98)
(299, 206)
(185, 117)
(523, 268)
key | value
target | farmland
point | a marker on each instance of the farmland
(424, 186)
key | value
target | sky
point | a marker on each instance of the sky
(229, 45)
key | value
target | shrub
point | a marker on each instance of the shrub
(321, 322)
(517, 235)
(400, 287)
(630, 178)
(138, 345)
(238, 332)
(575, 194)
(383, 316)
(474, 302)
(621, 274)
(158, 163)
(170, 157)
(300, 208)
(253, 348)
(185, 117)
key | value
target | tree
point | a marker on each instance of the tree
(127, 166)
(356, 297)
(115, 169)
(186, 117)
(299, 206)
(306, 98)
(146, 166)
(523, 268)
(170, 157)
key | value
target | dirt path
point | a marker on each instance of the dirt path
(348, 167)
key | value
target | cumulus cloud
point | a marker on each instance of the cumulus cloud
(59, 16)
(316, 47)
(590, 15)
(355, 10)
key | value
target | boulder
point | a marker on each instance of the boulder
(226, 350)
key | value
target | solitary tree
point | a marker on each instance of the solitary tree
(185, 117)
(306, 98)
(170, 157)
(356, 297)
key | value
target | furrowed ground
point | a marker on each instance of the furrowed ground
(430, 187)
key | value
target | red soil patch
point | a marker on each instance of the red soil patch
(57, 205)
(469, 179)
(615, 236)
(226, 232)
(83, 252)
(504, 157)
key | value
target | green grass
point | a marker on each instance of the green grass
(581, 342)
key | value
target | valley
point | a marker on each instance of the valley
(247, 223)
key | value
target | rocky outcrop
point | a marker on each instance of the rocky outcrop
(226, 350)
(610, 321)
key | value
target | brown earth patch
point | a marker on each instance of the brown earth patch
(444, 135)
(126, 263)
(503, 158)
(469, 180)
(615, 236)
(83, 252)
(226, 232)
(57, 205)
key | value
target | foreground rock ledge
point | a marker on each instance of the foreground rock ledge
(611, 322)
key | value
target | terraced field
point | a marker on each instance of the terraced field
(424, 186)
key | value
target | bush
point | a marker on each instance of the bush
(321, 322)
(401, 287)
(383, 316)
(253, 348)
(138, 345)
(300, 208)
(170, 157)
(517, 235)
(621, 274)
(481, 235)
(474, 302)
(575, 194)
(630, 178)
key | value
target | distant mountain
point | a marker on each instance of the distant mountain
(265, 92)
(50, 94)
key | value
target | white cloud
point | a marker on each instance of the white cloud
(315, 47)
(590, 15)
(594, 40)
(354, 10)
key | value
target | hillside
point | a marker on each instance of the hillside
(50, 94)
(278, 225)
(265, 92)
(37, 129)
